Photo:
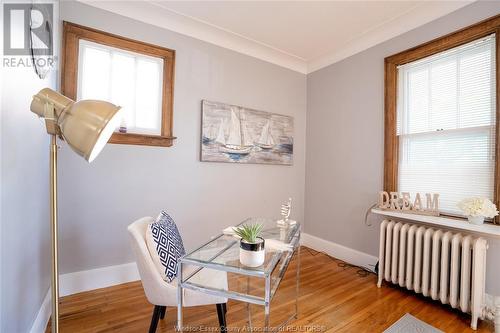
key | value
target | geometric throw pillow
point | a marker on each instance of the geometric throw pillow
(165, 245)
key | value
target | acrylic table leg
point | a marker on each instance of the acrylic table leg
(267, 306)
(248, 306)
(179, 298)
(297, 286)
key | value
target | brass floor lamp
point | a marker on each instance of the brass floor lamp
(86, 126)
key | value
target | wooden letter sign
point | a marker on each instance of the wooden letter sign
(402, 202)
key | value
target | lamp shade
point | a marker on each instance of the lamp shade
(85, 125)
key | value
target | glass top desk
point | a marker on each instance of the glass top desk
(220, 256)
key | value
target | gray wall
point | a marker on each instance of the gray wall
(97, 201)
(345, 135)
(126, 182)
(25, 228)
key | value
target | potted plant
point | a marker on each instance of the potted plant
(251, 245)
(476, 209)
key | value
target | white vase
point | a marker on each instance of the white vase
(476, 219)
(252, 254)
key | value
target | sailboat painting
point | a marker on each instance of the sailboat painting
(237, 134)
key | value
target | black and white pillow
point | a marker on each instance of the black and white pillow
(165, 245)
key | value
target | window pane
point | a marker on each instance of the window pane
(446, 124)
(443, 95)
(148, 94)
(94, 70)
(418, 100)
(123, 86)
(128, 79)
(455, 164)
(476, 84)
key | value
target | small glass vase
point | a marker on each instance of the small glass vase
(476, 219)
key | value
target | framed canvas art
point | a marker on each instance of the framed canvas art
(236, 134)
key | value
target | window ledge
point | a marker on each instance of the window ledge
(486, 229)
(142, 139)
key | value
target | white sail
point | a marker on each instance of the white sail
(270, 139)
(211, 132)
(220, 135)
(246, 137)
(265, 136)
(234, 138)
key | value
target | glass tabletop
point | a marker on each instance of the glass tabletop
(222, 252)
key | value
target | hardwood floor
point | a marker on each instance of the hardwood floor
(332, 299)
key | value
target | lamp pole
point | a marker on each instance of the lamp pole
(53, 226)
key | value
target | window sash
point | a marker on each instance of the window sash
(454, 57)
(441, 162)
(110, 94)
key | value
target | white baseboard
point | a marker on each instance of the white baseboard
(78, 282)
(42, 318)
(338, 251)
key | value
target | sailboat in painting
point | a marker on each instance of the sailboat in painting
(266, 140)
(209, 135)
(239, 141)
(214, 134)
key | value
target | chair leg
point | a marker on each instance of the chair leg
(221, 313)
(163, 311)
(154, 319)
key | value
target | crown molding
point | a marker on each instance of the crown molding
(171, 20)
(155, 14)
(418, 16)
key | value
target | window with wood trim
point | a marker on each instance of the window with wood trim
(132, 74)
(441, 117)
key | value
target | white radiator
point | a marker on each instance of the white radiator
(439, 264)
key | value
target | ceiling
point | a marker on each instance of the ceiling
(301, 35)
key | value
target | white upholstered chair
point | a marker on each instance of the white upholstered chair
(161, 293)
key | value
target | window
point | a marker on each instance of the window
(124, 78)
(134, 75)
(441, 117)
(446, 123)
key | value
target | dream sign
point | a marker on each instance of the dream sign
(403, 202)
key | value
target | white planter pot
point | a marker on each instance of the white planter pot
(252, 255)
(476, 219)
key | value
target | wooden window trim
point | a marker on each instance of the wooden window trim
(460, 37)
(72, 33)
